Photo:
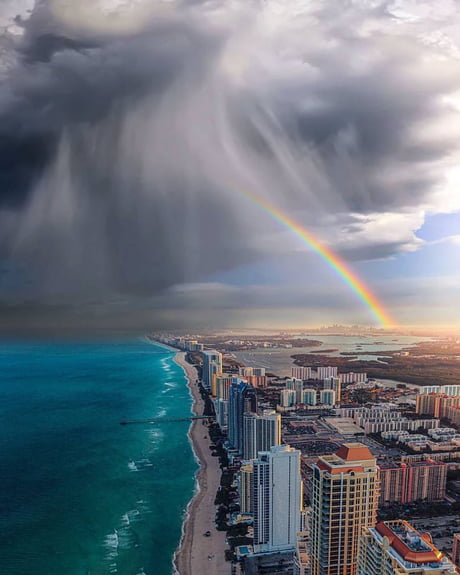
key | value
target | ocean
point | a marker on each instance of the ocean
(79, 493)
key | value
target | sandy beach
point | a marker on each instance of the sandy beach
(197, 553)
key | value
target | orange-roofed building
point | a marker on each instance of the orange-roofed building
(397, 547)
(344, 496)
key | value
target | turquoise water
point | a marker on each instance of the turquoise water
(80, 494)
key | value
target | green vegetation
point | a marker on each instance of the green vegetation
(426, 363)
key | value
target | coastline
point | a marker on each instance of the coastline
(165, 346)
(197, 553)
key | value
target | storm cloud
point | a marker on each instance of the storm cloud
(126, 144)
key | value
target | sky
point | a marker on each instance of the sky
(134, 133)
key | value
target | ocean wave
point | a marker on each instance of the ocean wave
(125, 519)
(111, 550)
(156, 435)
(111, 540)
(126, 539)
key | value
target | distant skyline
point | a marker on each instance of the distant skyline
(133, 136)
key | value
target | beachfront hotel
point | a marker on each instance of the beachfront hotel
(221, 385)
(242, 399)
(344, 496)
(276, 499)
(260, 432)
(395, 547)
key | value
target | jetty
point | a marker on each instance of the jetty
(166, 419)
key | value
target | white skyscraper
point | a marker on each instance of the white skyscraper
(260, 433)
(276, 499)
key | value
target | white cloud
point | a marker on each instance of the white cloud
(11, 11)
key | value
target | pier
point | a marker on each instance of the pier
(166, 419)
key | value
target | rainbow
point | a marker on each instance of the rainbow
(340, 267)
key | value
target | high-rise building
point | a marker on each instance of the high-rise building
(260, 433)
(425, 403)
(436, 404)
(397, 548)
(212, 365)
(276, 499)
(298, 390)
(327, 397)
(245, 486)
(221, 408)
(334, 383)
(344, 496)
(326, 372)
(242, 399)
(409, 482)
(293, 383)
(222, 385)
(259, 381)
(352, 377)
(299, 372)
(287, 397)
(309, 396)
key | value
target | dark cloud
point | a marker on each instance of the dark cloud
(124, 158)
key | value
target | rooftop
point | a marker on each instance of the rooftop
(408, 542)
(354, 452)
(349, 457)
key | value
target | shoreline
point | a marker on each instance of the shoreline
(165, 346)
(197, 553)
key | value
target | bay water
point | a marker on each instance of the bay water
(81, 494)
